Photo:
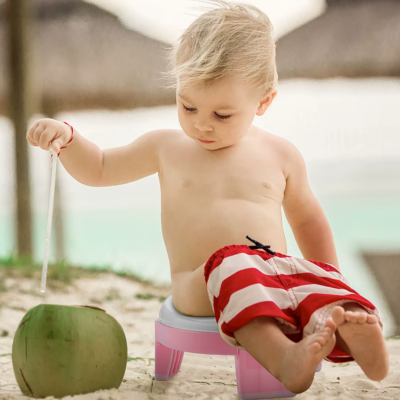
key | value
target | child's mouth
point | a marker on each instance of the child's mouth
(206, 141)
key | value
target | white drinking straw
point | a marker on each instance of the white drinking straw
(49, 218)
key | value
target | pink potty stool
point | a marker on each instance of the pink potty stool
(176, 333)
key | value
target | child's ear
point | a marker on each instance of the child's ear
(265, 102)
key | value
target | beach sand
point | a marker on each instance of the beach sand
(200, 376)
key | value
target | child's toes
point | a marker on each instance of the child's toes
(338, 315)
(321, 340)
(351, 316)
(362, 318)
(329, 323)
(316, 347)
(372, 318)
(324, 336)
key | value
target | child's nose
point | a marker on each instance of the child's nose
(203, 126)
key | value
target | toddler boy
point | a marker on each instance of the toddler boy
(223, 183)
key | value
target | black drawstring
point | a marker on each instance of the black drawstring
(260, 246)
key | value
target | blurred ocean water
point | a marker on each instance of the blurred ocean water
(347, 130)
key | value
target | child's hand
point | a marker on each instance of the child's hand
(48, 131)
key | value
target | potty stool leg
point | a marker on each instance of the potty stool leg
(167, 362)
(254, 381)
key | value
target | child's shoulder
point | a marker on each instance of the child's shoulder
(165, 137)
(285, 149)
(170, 134)
(278, 143)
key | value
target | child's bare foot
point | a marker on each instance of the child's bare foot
(363, 335)
(302, 358)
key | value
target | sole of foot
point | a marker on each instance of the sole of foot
(363, 335)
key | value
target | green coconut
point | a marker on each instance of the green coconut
(68, 350)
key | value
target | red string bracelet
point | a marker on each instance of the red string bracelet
(70, 140)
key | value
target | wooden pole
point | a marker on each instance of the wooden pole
(20, 110)
(385, 266)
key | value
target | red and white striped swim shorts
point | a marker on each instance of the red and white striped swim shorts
(244, 283)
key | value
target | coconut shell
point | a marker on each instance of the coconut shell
(63, 350)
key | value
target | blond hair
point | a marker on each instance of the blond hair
(235, 39)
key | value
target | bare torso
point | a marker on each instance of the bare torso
(211, 199)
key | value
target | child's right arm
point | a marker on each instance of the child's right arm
(90, 165)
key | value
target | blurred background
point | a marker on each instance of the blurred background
(97, 65)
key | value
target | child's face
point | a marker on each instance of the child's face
(201, 111)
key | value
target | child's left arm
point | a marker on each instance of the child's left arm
(304, 213)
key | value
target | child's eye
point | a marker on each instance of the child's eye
(189, 109)
(217, 115)
(222, 116)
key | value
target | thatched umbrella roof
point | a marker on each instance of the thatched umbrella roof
(83, 57)
(353, 38)
(386, 270)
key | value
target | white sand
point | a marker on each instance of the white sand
(200, 377)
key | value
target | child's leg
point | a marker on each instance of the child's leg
(293, 364)
(360, 335)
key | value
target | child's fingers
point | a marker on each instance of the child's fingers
(55, 146)
(30, 142)
(37, 134)
(46, 138)
(31, 130)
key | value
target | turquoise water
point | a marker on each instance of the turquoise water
(360, 223)
(132, 239)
